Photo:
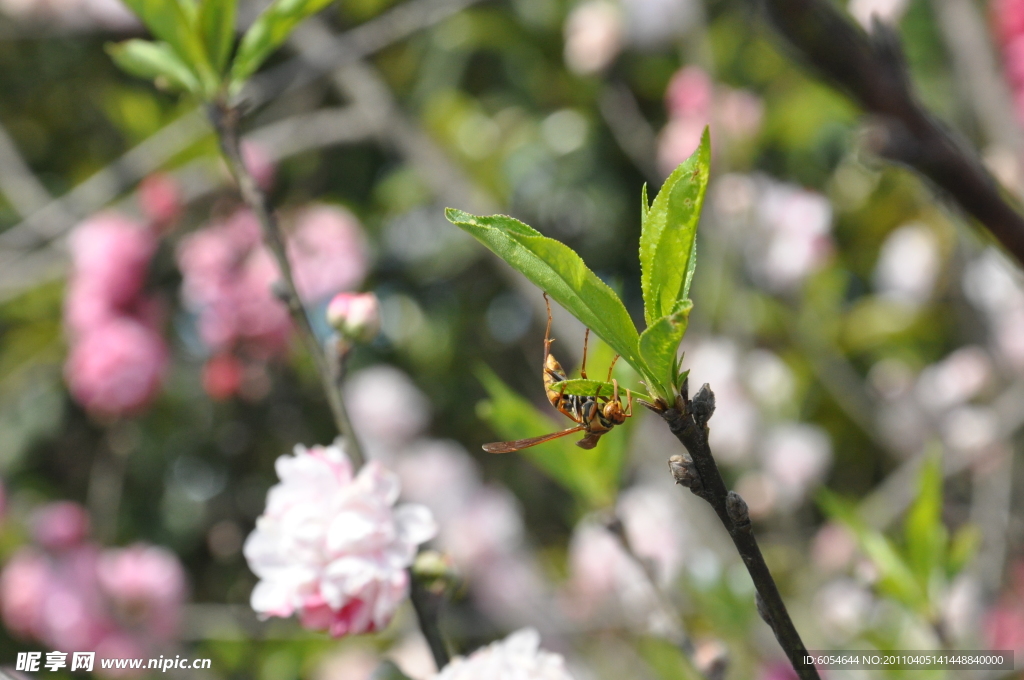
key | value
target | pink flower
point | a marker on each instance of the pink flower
(356, 316)
(23, 586)
(259, 164)
(60, 525)
(678, 140)
(110, 254)
(145, 584)
(327, 251)
(227, 277)
(160, 198)
(121, 602)
(116, 368)
(517, 657)
(689, 94)
(331, 547)
(222, 376)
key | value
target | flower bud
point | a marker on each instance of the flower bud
(356, 316)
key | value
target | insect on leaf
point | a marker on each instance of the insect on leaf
(557, 269)
(271, 28)
(151, 61)
(668, 235)
(592, 476)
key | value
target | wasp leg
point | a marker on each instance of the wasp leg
(583, 366)
(611, 367)
(547, 331)
(629, 404)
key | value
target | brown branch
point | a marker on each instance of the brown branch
(225, 121)
(688, 421)
(871, 69)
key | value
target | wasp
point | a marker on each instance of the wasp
(595, 415)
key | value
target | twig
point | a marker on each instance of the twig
(872, 70)
(688, 421)
(428, 610)
(225, 121)
(330, 368)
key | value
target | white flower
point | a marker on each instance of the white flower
(331, 547)
(517, 657)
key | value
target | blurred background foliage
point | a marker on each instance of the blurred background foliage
(849, 320)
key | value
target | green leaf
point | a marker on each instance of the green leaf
(271, 28)
(559, 271)
(591, 476)
(666, 659)
(962, 549)
(925, 535)
(896, 578)
(659, 347)
(152, 61)
(170, 21)
(586, 388)
(217, 25)
(645, 205)
(668, 235)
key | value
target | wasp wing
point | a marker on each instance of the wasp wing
(519, 444)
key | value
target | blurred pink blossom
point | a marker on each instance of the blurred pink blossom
(222, 376)
(331, 547)
(160, 198)
(327, 250)
(795, 237)
(689, 93)
(593, 36)
(110, 255)
(145, 584)
(259, 164)
(226, 280)
(390, 409)
(517, 657)
(796, 456)
(73, 596)
(678, 140)
(693, 102)
(116, 361)
(601, 572)
(116, 368)
(656, 527)
(60, 525)
(228, 274)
